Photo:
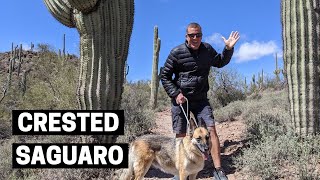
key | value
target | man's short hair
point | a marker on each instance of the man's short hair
(193, 25)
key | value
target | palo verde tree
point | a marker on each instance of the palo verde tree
(105, 28)
(301, 50)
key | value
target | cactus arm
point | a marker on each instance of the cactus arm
(84, 6)
(61, 10)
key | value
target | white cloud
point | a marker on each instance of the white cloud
(215, 39)
(254, 50)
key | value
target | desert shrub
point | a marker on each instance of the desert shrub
(5, 128)
(261, 102)
(266, 101)
(52, 84)
(266, 116)
(229, 112)
(281, 157)
(138, 116)
(5, 122)
(164, 101)
(66, 174)
(6, 158)
(274, 151)
(45, 48)
(225, 87)
(266, 124)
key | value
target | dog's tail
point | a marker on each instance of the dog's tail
(127, 174)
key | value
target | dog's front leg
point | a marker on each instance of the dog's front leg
(182, 175)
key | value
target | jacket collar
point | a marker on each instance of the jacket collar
(191, 50)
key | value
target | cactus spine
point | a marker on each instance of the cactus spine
(155, 76)
(105, 28)
(301, 40)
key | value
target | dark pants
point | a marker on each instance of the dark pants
(201, 110)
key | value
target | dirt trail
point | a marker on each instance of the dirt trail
(231, 135)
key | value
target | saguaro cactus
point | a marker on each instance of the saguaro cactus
(105, 28)
(155, 76)
(260, 80)
(64, 46)
(277, 70)
(300, 34)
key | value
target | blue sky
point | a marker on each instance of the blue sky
(26, 21)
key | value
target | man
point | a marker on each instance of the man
(190, 64)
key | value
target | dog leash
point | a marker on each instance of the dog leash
(186, 115)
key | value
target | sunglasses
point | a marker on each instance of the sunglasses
(198, 35)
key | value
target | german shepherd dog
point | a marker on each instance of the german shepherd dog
(183, 157)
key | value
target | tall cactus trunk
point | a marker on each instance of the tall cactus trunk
(155, 76)
(301, 33)
(105, 28)
(105, 31)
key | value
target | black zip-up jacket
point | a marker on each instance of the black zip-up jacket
(191, 69)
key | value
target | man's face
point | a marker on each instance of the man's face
(193, 37)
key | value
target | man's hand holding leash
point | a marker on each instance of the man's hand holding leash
(180, 99)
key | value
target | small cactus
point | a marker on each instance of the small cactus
(23, 82)
(260, 80)
(245, 86)
(20, 59)
(277, 70)
(253, 86)
(31, 46)
(64, 46)
(7, 85)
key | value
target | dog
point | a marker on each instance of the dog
(182, 156)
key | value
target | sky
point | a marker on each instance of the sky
(257, 21)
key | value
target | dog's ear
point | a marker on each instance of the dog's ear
(192, 127)
(202, 123)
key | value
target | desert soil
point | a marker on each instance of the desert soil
(232, 139)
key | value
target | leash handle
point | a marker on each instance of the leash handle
(186, 115)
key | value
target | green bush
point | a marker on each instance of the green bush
(225, 87)
(52, 84)
(281, 157)
(139, 118)
(274, 151)
(229, 112)
(164, 101)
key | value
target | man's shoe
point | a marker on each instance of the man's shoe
(219, 174)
